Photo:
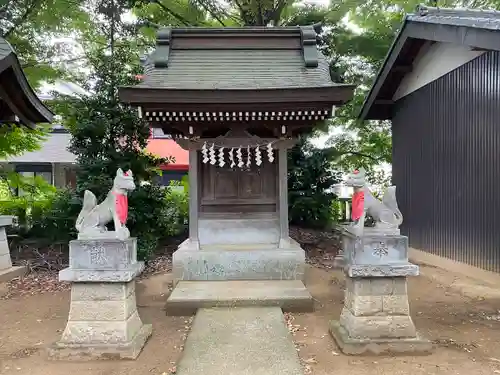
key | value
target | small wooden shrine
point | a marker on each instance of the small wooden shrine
(18, 103)
(237, 99)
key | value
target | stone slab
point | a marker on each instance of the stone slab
(237, 263)
(383, 270)
(102, 254)
(111, 351)
(11, 273)
(238, 231)
(239, 341)
(100, 275)
(403, 346)
(189, 296)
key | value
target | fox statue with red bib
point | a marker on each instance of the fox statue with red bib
(386, 213)
(93, 218)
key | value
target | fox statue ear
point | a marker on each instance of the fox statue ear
(119, 172)
(129, 173)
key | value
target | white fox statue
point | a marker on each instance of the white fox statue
(93, 218)
(386, 213)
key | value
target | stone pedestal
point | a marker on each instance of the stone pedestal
(376, 315)
(7, 271)
(239, 262)
(103, 320)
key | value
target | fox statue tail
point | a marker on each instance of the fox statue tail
(89, 203)
(389, 200)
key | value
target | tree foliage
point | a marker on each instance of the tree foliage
(14, 140)
(42, 33)
(107, 134)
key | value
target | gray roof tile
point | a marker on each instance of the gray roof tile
(237, 69)
(483, 19)
(226, 64)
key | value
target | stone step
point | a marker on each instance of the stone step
(188, 296)
(239, 341)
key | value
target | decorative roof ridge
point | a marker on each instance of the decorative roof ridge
(308, 36)
(424, 10)
(261, 31)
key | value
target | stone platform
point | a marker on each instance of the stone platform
(239, 341)
(188, 296)
(239, 262)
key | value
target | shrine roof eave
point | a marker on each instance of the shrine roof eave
(18, 95)
(337, 94)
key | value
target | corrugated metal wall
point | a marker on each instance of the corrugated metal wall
(446, 164)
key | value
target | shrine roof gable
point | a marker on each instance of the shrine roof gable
(247, 58)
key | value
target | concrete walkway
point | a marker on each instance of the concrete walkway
(239, 341)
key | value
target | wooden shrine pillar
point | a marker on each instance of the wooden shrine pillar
(193, 197)
(283, 194)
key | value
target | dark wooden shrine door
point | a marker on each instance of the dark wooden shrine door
(225, 189)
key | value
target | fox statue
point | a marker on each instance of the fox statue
(93, 218)
(386, 213)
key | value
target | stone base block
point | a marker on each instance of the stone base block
(237, 262)
(103, 323)
(110, 254)
(260, 229)
(381, 346)
(84, 351)
(11, 273)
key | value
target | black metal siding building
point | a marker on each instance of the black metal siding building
(446, 164)
(446, 137)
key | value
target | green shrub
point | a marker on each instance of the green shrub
(55, 222)
(155, 214)
(310, 179)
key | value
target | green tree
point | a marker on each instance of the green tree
(42, 33)
(15, 140)
(108, 134)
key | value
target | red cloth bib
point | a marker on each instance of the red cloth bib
(121, 207)
(358, 205)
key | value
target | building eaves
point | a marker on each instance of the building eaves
(474, 28)
(38, 113)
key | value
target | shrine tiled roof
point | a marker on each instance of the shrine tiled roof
(236, 59)
(244, 58)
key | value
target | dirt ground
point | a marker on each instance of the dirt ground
(466, 330)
